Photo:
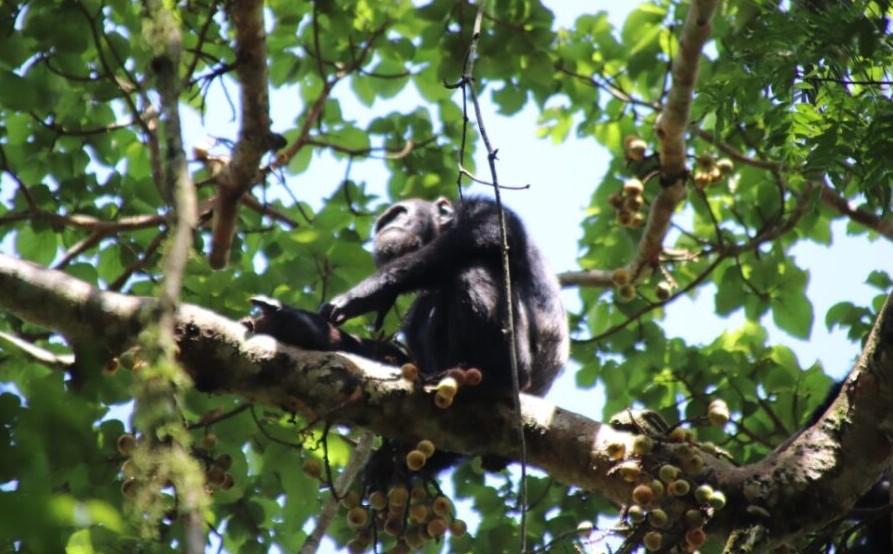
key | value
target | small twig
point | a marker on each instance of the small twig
(141, 261)
(264, 209)
(883, 226)
(654, 305)
(478, 180)
(509, 317)
(220, 417)
(88, 222)
(267, 435)
(613, 90)
(202, 37)
(81, 246)
(389, 152)
(357, 461)
(45, 357)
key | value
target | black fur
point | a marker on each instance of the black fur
(312, 331)
(452, 256)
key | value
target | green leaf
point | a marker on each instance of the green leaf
(793, 313)
(879, 280)
(13, 50)
(80, 543)
(301, 161)
(510, 99)
(16, 93)
(37, 245)
(364, 90)
(730, 291)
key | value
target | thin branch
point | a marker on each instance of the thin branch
(316, 109)
(202, 36)
(586, 278)
(735, 154)
(125, 89)
(356, 463)
(45, 357)
(670, 127)
(264, 209)
(218, 416)
(390, 153)
(474, 178)
(509, 316)
(51, 125)
(139, 263)
(700, 278)
(613, 90)
(883, 226)
(673, 121)
(88, 222)
(82, 246)
(23, 188)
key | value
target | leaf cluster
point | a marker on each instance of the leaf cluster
(798, 94)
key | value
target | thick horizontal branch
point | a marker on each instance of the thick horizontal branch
(812, 479)
(222, 357)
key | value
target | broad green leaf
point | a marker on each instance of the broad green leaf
(17, 93)
(37, 244)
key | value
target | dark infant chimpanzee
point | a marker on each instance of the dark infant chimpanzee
(452, 256)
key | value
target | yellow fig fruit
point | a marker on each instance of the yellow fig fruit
(621, 276)
(633, 187)
(415, 460)
(426, 447)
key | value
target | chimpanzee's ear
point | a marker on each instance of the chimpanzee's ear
(445, 211)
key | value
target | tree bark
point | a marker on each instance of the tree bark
(810, 480)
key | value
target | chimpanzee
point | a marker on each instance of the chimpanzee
(452, 256)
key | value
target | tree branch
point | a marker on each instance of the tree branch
(883, 226)
(672, 123)
(156, 391)
(222, 358)
(254, 129)
(47, 358)
(829, 465)
(812, 479)
(356, 463)
(671, 126)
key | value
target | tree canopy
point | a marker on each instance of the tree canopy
(137, 414)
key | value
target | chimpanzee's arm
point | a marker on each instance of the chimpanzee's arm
(313, 332)
(473, 239)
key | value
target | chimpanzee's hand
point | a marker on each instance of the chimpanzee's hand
(338, 309)
(352, 303)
